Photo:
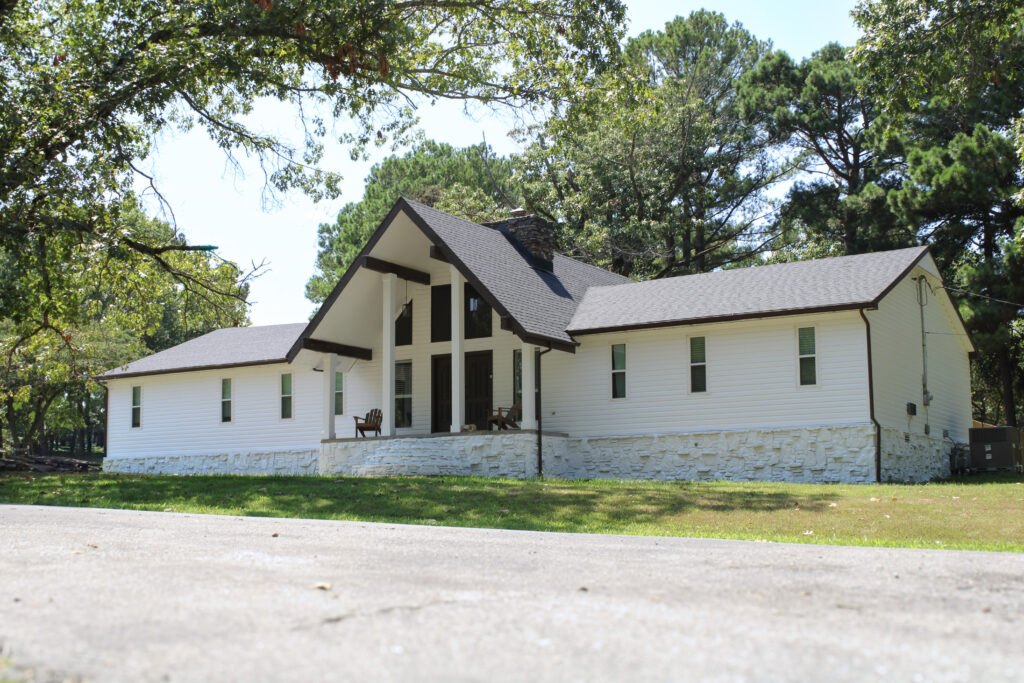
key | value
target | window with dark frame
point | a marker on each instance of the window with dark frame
(618, 371)
(286, 396)
(476, 314)
(441, 313)
(808, 356)
(136, 407)
(698, 365)
(225, 400)
(517, 381)
(339, 393)
(403, 326)
(403, 394)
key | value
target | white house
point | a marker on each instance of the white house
(844, 369)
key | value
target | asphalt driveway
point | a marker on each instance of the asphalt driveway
(112, 595)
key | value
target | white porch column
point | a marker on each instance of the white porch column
(458, 394)
(330, 367)
(529, 420)
(387, 356)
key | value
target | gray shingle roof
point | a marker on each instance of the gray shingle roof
(802, 286)
(541, 302)
(231, 346)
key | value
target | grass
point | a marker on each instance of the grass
(980, 513)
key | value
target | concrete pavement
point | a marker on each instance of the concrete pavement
(112, 595)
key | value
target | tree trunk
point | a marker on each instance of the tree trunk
(12, 426)
(699, 258)
(1006, 378)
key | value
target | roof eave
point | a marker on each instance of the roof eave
(106, 377)
(683, 322)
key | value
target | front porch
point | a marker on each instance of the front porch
(413, 336)
(510, 454)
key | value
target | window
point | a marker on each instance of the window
(403, 394)
(808, 365)
(698, 364)
(286, 396)
(403, 326)
(441, 313)
(136, 406)
(618, 371)
(517, 380)
(477, 314)
(225, 400)
(339, 394)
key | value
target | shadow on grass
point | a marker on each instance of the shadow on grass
(459, 501)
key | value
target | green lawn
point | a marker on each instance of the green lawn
(981, 513)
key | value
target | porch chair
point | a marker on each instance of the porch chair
(370, 423)
(505, 421)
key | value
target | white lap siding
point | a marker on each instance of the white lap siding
(897, 355)
(181, 413)
(752, 379)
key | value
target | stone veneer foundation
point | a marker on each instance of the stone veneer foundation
(276, 462)
(810, 454)
(486, 454)
(814, 454)
(913, 457)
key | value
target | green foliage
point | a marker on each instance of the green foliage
(657, 172)
(89, 313)
(820, 109)
(967, 51)
(85, 86)
(469, 182)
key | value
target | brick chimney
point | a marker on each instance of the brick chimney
(533, 233)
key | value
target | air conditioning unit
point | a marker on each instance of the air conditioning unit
(995, 448)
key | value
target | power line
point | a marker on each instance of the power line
(982, 296)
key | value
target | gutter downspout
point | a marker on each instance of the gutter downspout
(871, 401)
(106, 421)
(540, 419)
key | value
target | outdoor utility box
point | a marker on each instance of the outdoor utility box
(995, 448)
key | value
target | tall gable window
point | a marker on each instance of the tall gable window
(517, 381)
(618, 371)
(286, 396)
(441, 313)
(403, 326)
(698, 364)
(477, 314)
(339, 393)
(808, 356)
(225, 400)
(136, 407)
(403, 394)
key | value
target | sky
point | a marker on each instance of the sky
(218, 203)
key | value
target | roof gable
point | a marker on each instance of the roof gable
(537, 304)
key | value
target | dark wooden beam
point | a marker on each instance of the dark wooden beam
(437, 254)
(404, 272)
(506, 323)
(323, 346)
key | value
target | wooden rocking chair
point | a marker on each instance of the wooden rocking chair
(505, 421)
(370, 423)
